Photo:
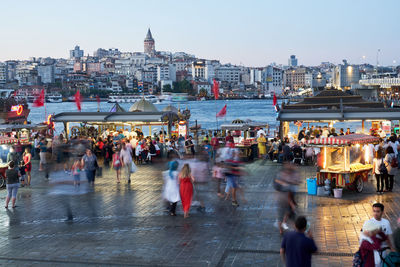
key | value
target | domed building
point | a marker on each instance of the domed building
(143, 106)
(170, 108)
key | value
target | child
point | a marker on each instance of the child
(370, 243)
(22, 172)
(76, 169)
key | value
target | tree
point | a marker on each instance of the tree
(202, 92)
(167, 88)
(183, 87)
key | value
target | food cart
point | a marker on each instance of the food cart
(344, 160)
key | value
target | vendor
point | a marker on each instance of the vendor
(229, 138)
(262, 150)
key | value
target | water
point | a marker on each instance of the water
(203, 111)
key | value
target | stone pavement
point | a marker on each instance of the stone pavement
(126, 225)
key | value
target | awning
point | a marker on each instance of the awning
(108, 117)
(350, 139)
(11, 140)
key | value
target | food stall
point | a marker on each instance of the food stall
(344, 160)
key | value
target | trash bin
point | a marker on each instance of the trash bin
(312, 186)
(337, 192)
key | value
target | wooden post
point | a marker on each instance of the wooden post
(362, 126)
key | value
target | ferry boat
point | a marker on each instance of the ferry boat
(54, 98)
(131, 98)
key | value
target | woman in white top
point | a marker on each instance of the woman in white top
(392, 170)
(378, 160)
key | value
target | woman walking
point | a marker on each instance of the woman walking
(27, 157)
(117, 164)
(379, 172)
(89, 162)
(391, 165)
(12, 177)
(171, 187)
(186, 188)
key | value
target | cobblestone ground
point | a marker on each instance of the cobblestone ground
(126, 225)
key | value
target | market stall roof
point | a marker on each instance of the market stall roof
(10, 140)
(117, 108)
(143, 106)
(333, 99)
(244, 125)
(344, 114)
(350, 139)
(13, 127)
(108, 117)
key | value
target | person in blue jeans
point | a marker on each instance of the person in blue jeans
(89, 162)
(12, 177)
(298, 246)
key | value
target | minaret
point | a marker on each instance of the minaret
(149, 44)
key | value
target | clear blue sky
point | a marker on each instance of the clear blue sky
(253, 33)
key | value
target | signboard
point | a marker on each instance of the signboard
(387, 126)
(182, 129)
(18, 109)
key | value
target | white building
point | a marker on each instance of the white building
(3, 74)
(345, 75)
(228, 73)
(272, 80)
(203, 69)
(115, 87)
(46, 73)
(292, 61)
(166, 72)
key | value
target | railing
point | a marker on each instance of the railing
(383, 82)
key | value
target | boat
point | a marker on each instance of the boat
(12, 109)
(131, 98)
(54, 98)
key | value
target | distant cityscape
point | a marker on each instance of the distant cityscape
(110, 71)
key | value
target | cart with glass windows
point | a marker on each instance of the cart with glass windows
(344, 160)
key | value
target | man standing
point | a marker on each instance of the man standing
(126, 159)
(229, 138)
(215, 146)
(189, 145)
(302, 134)
(377, 211)
(296, 248)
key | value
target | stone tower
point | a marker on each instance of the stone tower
(149, 44)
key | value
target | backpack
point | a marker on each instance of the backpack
(357, 259)
(394, 163)
(382, 168)
(392, 260)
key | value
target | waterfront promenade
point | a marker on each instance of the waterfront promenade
(126, 225)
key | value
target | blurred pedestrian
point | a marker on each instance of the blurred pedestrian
(76, 171)
(27, 157)
(12, 178)
(89, 162)
(384, 225)
(126, 159)
(370, 243)
(117, 164)
(171, 186)
(297, 246)
(42, 154)
(186, 181)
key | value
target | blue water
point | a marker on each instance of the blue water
(202, 111)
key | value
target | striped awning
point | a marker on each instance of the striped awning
(350, 139)
(11, 140)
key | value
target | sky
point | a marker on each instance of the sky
(250, 33)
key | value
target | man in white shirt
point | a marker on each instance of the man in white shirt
(377, 210)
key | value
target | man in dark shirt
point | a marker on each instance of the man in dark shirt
(296, 248)
(189, 145)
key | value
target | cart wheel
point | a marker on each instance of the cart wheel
(359, 184)
(2, 181)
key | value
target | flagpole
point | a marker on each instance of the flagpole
(45, 106)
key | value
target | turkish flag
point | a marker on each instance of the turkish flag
(39, 101)
(78, 100)
(274, 101)
(222, 112)
(216, 89)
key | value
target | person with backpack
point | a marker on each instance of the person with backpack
(380, 170)
(391, 165)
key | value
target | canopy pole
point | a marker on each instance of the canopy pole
(362, 126)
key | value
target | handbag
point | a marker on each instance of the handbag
(133, 167)
(382, 168)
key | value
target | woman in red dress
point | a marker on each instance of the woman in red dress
(186, 188)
